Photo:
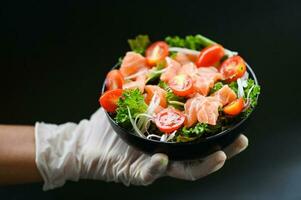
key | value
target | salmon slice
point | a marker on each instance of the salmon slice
(201, 109)
(184, 58)
(151, 90)
(190, 110)
(208, 111)
(172, 68)
(189, 69)
(138, 83)
(132, 63)
(225, 95)
(205, 79)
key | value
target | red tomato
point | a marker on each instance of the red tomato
(233, 68)
(114, 80)
(156, 52)
(169, 120)
(235, 107)
(181, 85)
(210, 55)
(109, 99)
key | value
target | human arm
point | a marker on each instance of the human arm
(17, 155)
(92, 150)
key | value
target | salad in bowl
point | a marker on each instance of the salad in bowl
(179, 90)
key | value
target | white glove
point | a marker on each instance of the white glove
(92, 150)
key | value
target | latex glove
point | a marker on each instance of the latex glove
(92, 150)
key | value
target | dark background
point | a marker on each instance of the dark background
(54, 56)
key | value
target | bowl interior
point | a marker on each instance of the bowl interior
(203, 139)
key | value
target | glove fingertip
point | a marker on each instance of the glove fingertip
(160, 159)
(155, 168)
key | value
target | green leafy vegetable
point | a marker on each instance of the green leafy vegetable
(172, 99)
(216, 87)
(155, 72)
(253, 91)
(132, 99)
(198, 130)
(139, 44)
(234, 86)
(196, 42)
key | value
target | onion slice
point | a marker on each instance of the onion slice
(184, 50)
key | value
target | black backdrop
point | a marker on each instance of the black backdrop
(54, 56)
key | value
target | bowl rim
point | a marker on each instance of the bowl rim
(199, 140)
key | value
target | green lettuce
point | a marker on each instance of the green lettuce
(139, 44)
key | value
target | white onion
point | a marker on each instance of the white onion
(134, 125)
(171, 136)
(153, 135)
(184, 50)
(230, 53)
(163, 138)
(240, 91)
(248, 95)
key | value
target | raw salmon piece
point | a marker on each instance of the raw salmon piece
(151, 90)
(201, 109)
(191, 108)
(138, 83)
(184, 58)
(225, 95)
(189, 69)
(132, 63)
(205, 79)
(208, 111)
(172, 68)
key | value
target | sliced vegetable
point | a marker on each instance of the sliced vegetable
(181, 85)
(233, 68)
(109, 99)
(235, 107)
(156, 52)
(114, 80)
(172, 99)
(169, 120)
(210, 55)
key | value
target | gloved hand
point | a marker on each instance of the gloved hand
(92, 150)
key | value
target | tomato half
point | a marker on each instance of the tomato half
(169, 120)
(156, 52)
(210, 55)
(114, 80)
(181, 85)
(233, 68)
(235, 107)
(109, 99)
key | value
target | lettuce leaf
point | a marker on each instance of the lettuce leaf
(195, 42)
(139, 44)
(132, 99)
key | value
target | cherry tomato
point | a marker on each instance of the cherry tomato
(114, 80)
(233, 68)
(181, 85)
(169, 120)
(109, 99)
(156, 52)
(235, 107)
(210, 55)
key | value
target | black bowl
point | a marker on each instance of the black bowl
(186, 150)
